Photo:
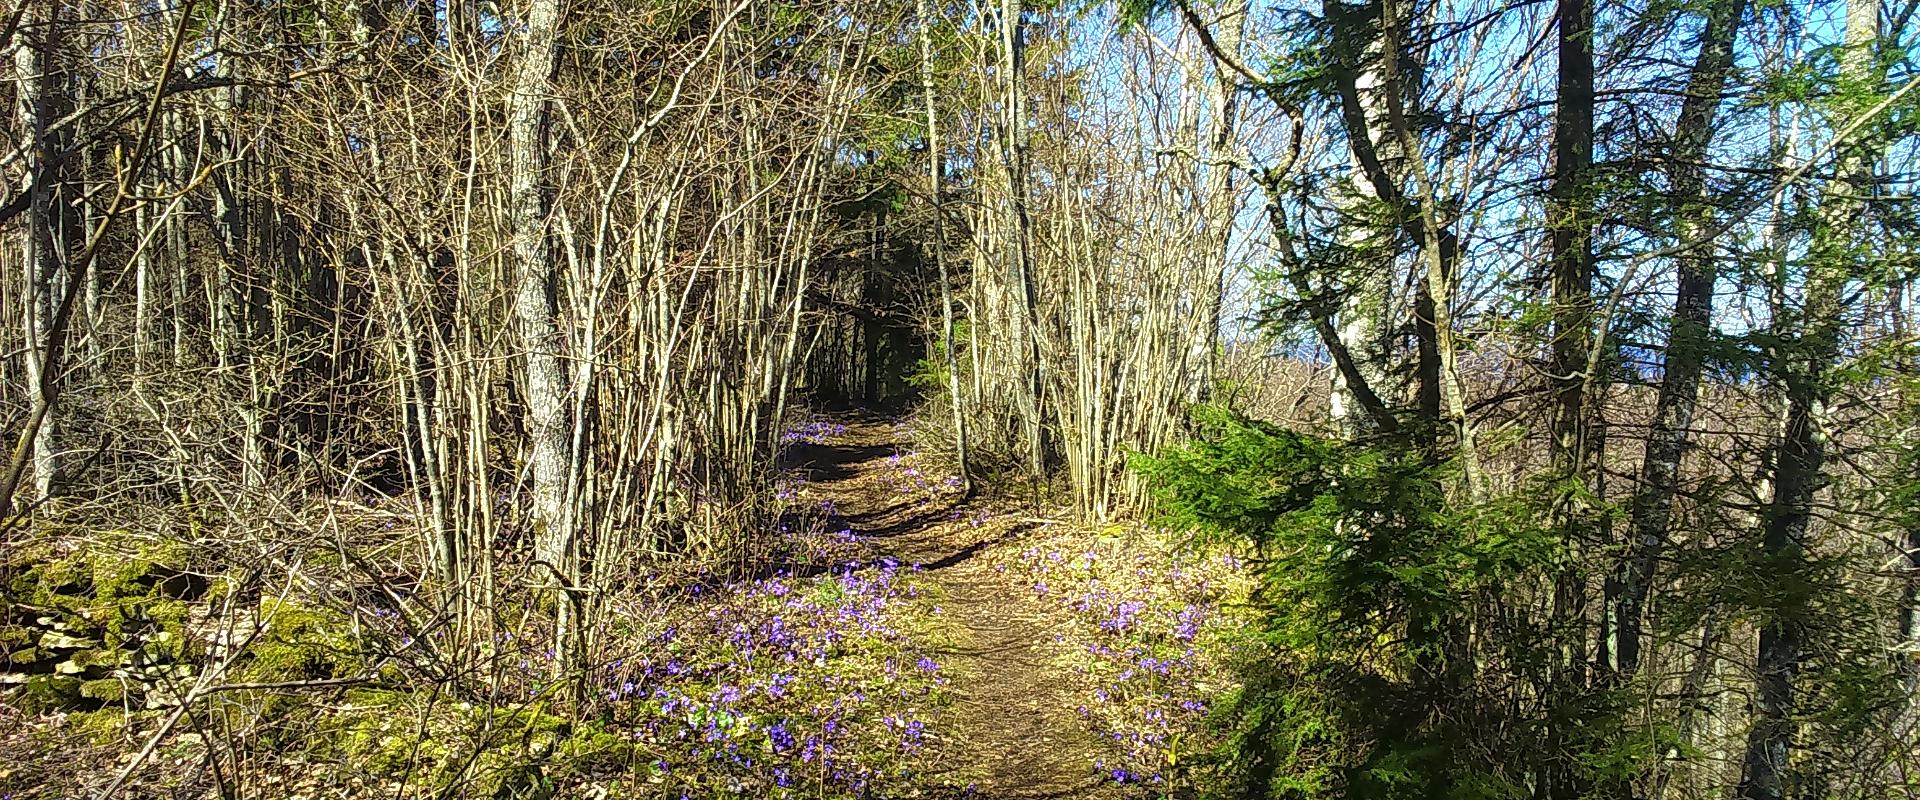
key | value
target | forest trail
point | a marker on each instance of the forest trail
(1011, 731)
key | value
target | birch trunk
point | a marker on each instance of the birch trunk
(1364, 320)
(934, 184)
(535, 310)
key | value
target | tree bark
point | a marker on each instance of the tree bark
(1799, 465)
(1383, 149)
(1013, 151)
(1570, 218)
(39, 99)
(1220, 193)
(1369, 84)
(934, 183)
(1651, 510)
(536, 312)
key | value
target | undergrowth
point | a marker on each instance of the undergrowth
(812, 681)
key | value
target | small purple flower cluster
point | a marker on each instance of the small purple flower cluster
(814, 533)
(1150, 638)
(818, 431)
(906, 478)
(803, 683)
(779, 685)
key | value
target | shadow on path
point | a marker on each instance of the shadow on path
(825, 463)
(1011, 731)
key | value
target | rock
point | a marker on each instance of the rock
(56, 640)
(111, 690)
(51, 693)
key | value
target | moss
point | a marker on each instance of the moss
(519, 782)
(597, 750)
(12, 636)
(218, 590)
(86, 603)
(109, 690)
(376, 748)
(101, 658)
(381, 738)
(71, 576)
(47, 587)
(104, 727)
(131, 588)
(301, 643)
(346, 731)
(121, 578)
(528, 752)
(109, 566)
(50, 692)
(116, 583)
(509, 772)
(532, 721)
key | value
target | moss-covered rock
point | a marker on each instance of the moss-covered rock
(50, 692)
(106, 690)
(300, 643)
(106, 726)
(100, 612)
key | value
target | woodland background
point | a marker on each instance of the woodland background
(1551, 361)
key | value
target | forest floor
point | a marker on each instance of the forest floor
(908, 643)
(1011, 730)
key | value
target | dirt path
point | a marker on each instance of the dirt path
(1012, 731)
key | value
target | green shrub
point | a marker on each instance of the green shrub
(1364, 682)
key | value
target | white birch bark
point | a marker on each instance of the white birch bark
(535, 311)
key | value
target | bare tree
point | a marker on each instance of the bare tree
(535, 311)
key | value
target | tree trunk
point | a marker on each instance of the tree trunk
(1220, 193)
(1013, 151)
(536, 313)
(1417, 216)
(1570, 219)
(934, 183)
(1799, 465)
(44, 277)
(1365, 317)
(1652, 505)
